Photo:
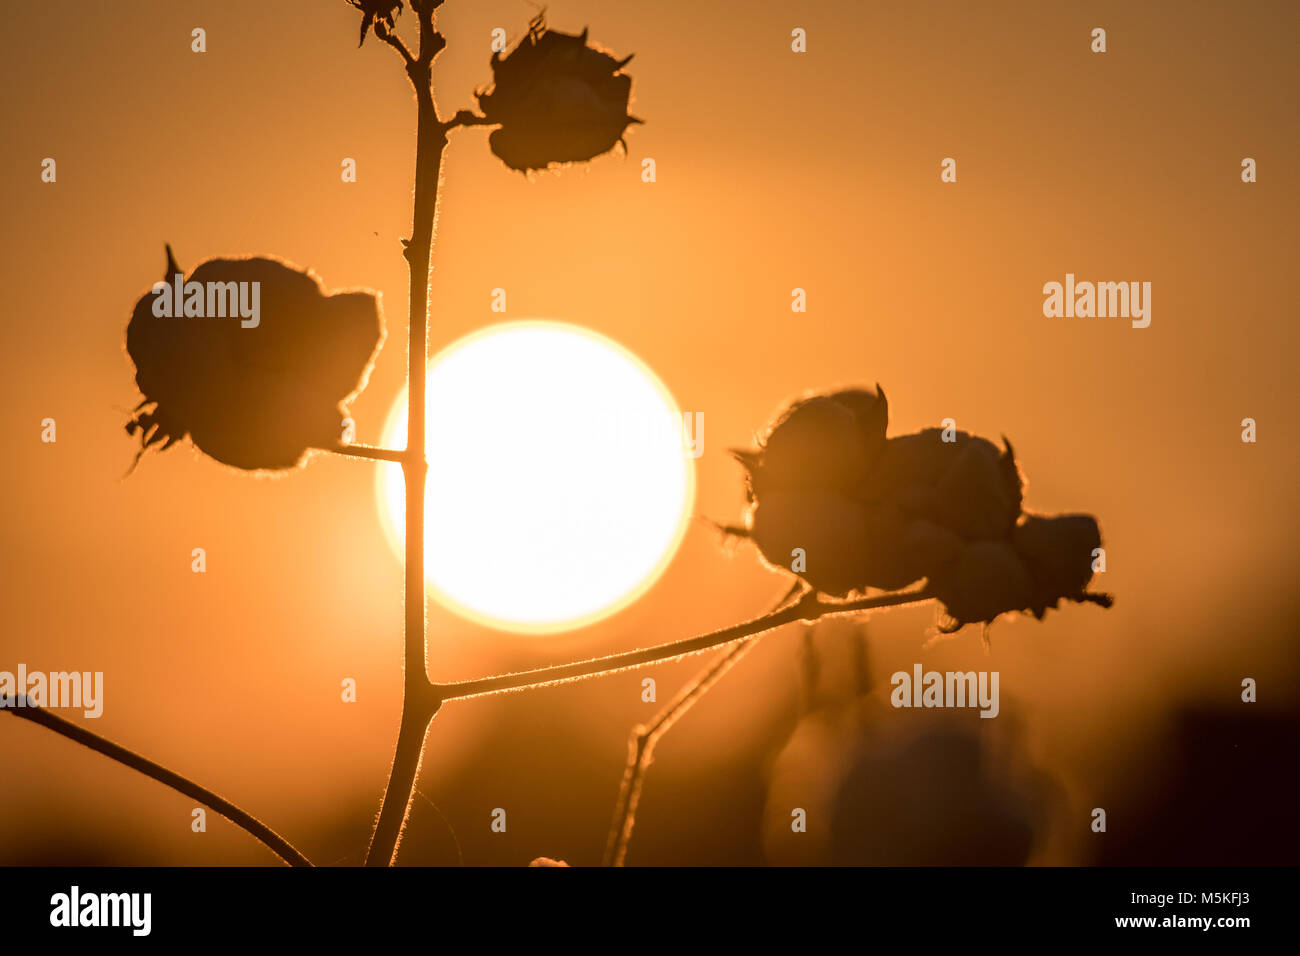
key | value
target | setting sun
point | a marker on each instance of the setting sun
(571, 485)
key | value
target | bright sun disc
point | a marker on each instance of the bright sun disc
(559, 486)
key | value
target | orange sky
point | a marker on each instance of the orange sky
(775, 170)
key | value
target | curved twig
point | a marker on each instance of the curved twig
(645, 738)
(643, 741)
(240, 818)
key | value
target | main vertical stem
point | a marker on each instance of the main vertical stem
(419, 701)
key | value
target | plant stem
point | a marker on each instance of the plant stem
(368, 452)
(809, 608)
(419, 704)
(240, 818)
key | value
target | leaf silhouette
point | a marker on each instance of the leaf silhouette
(376, 12)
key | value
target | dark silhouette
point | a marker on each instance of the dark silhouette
(379, 14)
(252, 396)
(859, 510)
(557, 100)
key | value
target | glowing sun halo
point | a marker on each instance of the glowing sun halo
(558, 485)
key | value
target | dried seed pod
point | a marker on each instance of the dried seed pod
(252, 396)
(557, 100)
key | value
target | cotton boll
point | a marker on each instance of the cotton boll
(909, 463)
(986, 579)
(557, 100)
(831, 528)
(1059, 551)
(817, 443)
(871, 409)
(927, 549)
(255, 395)
(967, 485)
(881, 560)
(972, 498)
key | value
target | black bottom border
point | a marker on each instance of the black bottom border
(435, 906)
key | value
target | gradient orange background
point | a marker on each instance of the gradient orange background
(775, 170)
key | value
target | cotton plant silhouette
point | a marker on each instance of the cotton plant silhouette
(871, 513)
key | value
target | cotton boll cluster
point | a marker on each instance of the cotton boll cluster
(867, 511)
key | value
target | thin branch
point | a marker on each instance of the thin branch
(467, 118)
(240, 818)
(460, 857)
(644, 739)
(366, 451)
(809, 608)
(393, 40)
